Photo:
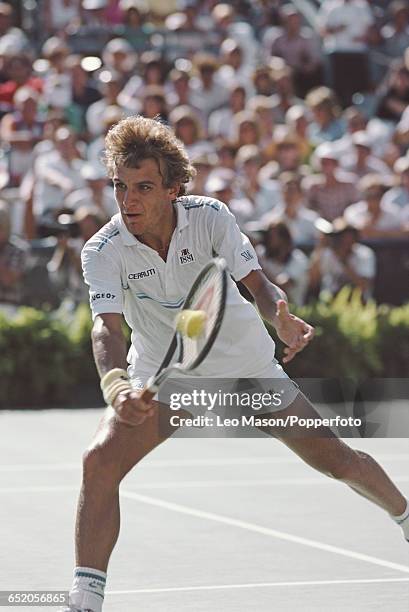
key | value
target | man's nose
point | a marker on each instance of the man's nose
(131, 201)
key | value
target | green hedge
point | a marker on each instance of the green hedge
(47, 357)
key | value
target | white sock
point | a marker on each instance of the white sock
(403, 521)
(87, 590)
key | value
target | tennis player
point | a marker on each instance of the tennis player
(140, 266)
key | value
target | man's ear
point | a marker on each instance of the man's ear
(174, 191)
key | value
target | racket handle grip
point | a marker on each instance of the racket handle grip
(150, 389)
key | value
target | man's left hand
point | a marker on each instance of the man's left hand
(292, 330)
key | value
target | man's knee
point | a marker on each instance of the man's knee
(97, 465)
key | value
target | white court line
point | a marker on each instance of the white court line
(257, 585)
(273, 533)
(197, 484)
(158, 463)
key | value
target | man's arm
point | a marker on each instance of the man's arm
(272, 304)
(108, 343)
(109, 347)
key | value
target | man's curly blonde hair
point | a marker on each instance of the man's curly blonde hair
(136, 138)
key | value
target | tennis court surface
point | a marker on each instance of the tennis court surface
(215, 525)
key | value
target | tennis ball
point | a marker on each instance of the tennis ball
(191, 322)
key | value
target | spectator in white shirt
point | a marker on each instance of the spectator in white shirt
(283, 264)
(344, 25)
(339, 260)
(56, 174)
(207, 93)
(362, 162)
(293, 212)
(373, 217)
(221, 120)
(399, 195)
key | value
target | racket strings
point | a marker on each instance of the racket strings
(208, 297)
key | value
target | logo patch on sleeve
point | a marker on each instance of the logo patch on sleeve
(247, 255)
(185, 256)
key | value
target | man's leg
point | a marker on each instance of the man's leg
(322, 450)
(115, 450)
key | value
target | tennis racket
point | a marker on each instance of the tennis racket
(208, 295)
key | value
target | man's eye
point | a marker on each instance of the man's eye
(120, 186)
(145, 187)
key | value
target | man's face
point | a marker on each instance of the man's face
(145, 204)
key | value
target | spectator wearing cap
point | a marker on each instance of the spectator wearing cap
(57, 80)
(22, 130)
(222, 185)
(362, 162)
(203, 163)
(94, 13)
(233, 70)
(109, 83)
(399, 195)
(373, 217)
(221, 120)
(299, 48)
(396, 31)
(330, 191)
(245, 129)
(339, 260)
(264, 195)
(189, 130)
(97, 192)
(284, 97)
(395, 99)
(207, 93)
(326, 125)
(118, 55)
(12, 262)
(282, 263)
(293, 211)
(262, 80)
(344, 25)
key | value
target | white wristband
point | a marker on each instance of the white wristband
(113, 382)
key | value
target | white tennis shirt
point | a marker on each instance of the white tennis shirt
(128, 277)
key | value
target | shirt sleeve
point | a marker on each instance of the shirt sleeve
(231, 244)
(103, 276)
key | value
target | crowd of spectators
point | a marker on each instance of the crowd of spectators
(301, 126)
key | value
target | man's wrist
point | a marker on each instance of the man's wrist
(114, 382)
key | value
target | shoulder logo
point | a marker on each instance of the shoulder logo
(142, 274)
(185, 256)
(247, 255)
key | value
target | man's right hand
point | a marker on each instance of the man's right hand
(131, 409)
